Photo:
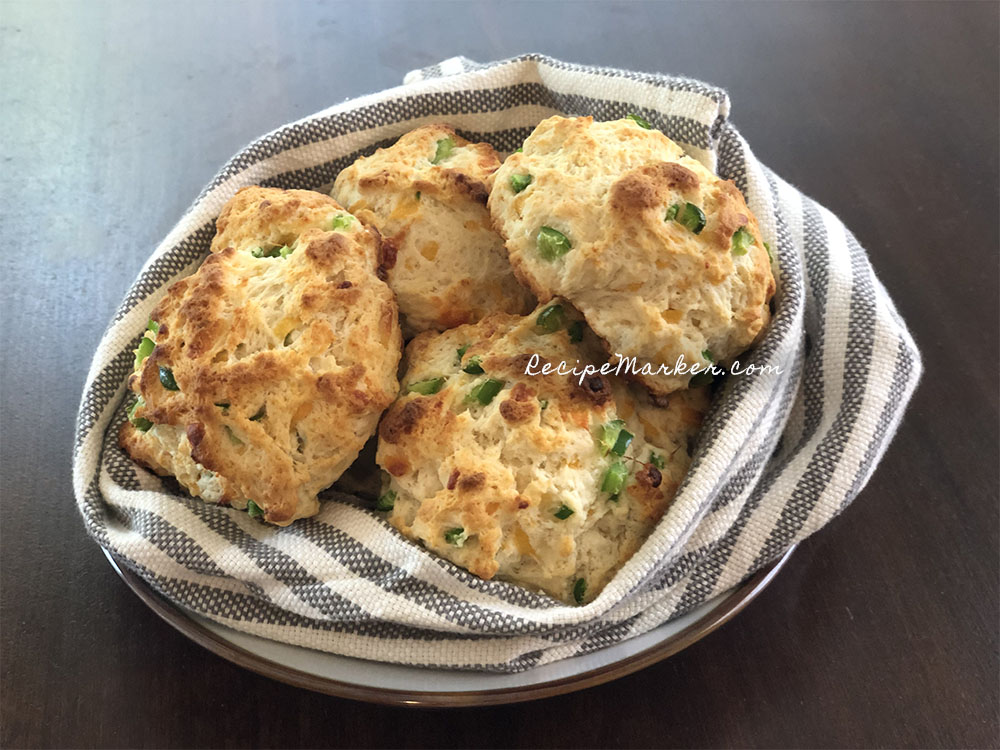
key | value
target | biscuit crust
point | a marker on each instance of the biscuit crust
(651, 286)
(444, 261)
(282, 363)
(521, 476)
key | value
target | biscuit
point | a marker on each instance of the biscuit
(529, 477)
(662, 257)
(265, 372)
(268, 217)
(427, 196)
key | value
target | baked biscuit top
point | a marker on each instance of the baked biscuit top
(427, 195)
(266, 371)
(661, 256)
(542, 479)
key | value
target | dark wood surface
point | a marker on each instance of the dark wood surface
(881, 631)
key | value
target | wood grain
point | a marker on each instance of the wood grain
(881, 632)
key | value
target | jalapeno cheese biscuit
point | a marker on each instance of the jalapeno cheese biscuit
(662, 257)
(427, 196)
(264, 373)
(545, 480)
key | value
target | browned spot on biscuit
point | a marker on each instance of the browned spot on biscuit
(649, 476)
(732, 214)
(651, 501)
(452, 318)
(342, 387)
(344, 285)
(594, 388)
(195, 434)
(516, 411)
(396, 466)
(388, 252)
(400, 421)
(200, 306)
(522, 392)
(201, 449)
(380, 179)
(522, 503)
(468, 186)
(264, 204)
(325, 248)
(453, 478)
(471, 482)
(648, 186)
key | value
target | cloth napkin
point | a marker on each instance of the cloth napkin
(778, 457)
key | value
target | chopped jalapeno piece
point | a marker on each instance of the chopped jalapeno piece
(455, 536)
(140, 423)
(222, 404)
(260, 252)
(576, 331)
(253, 510)
(614, 480)
(418, 195)
(552, 243)
(702, 378)
(153, 326)
(622, 443)
(519, 150)
(426, 387)
(142, 351)
(742, 239)
(672, 212)
(564, 512)
(551, 319)
(474, 365)
(770, 257)
(285, 251)
(486, 391)
(261, 413)
(707, 354)
(544, 402)
(461, 353)
(519, 182)
(342, 221)
(288, 339)
(692, 217)
(642, 123)
(609, 435)
(386, 501)
(579, 590)
(657, 460)
(232, 436)
(443, 150)
(167, 379)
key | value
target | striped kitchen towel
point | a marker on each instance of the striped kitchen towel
(779, 455)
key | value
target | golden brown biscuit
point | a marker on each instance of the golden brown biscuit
(661, 256)
(268, 217)
(529, 477)
(264, 376)
(427, 196)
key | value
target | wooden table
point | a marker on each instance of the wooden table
(881, 631)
